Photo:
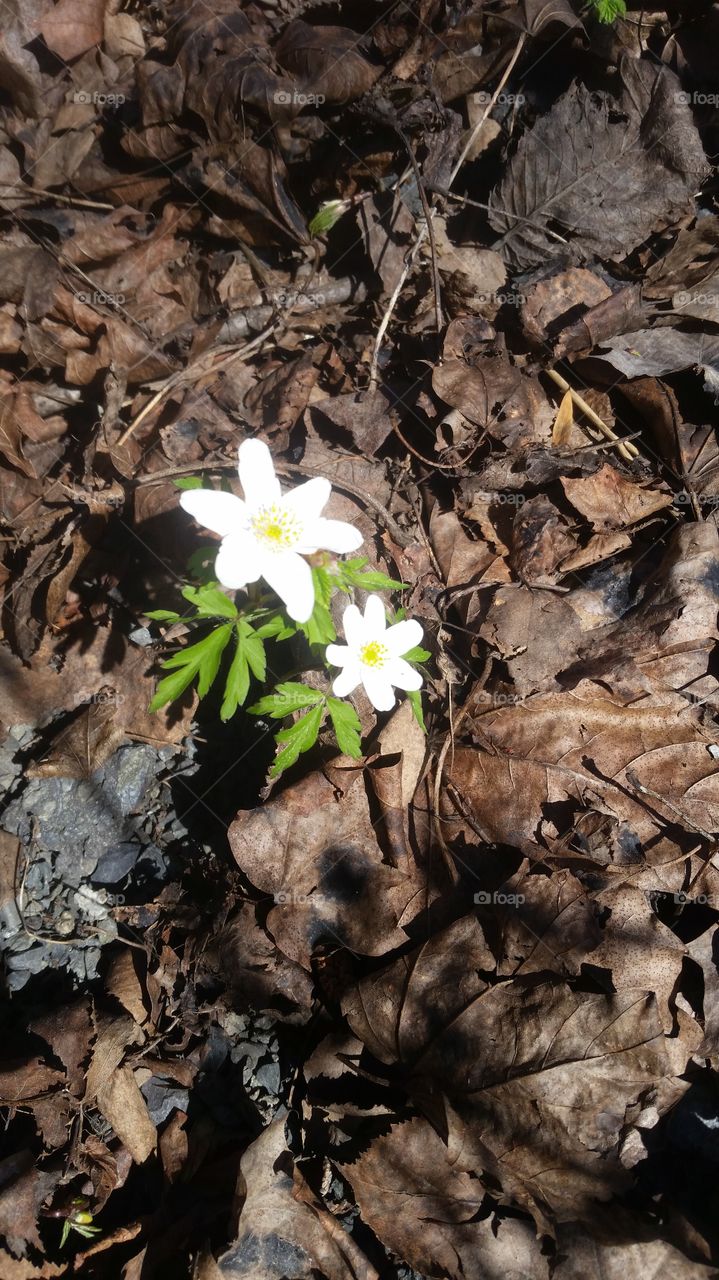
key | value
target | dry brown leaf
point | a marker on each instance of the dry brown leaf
(541, 1080)
(68, 1031)
(122, 1104)
(23, 1191)
(427, 1210)
(608, 500)
(564, 421)
(282, 1226)
(73, 26)
(314, 849)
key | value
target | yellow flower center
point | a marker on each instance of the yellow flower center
(374, 654)
(277, 527)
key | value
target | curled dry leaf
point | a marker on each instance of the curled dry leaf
(283, 1229)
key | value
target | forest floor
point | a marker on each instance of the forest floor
(450, 1009)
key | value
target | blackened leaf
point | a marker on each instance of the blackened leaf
(586, 182)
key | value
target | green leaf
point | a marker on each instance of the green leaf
(350, 574)
(188, 482)
(417, 654)
(288, 697)
(274, 628)
(253, 649)
(163, 615)
(298, 737)
(415, 701)
(237, 685)
(320, 628)
(608, 10)
(326, 216)
(201, 563)
(347, 727)
(201, 660)
(210, 601)
(373, 580)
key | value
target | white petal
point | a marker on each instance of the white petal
(238, 561)
(401, 674)
(218, 511)
(333, 535)
(402, 636)
(354, 626)
(374, 617)
(291, 577)
(347, 680)
(378, 689)
(339, 654)
(309, 499)
(257, 474)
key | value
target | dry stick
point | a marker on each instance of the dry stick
(184, 375)
(425, 230)
(428, 223)
(627, 451)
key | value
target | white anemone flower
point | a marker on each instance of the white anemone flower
(373, 655)
(267, 534)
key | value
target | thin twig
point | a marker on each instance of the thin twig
(427, 228)
(194, 370)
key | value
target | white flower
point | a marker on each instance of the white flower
(373, 655)
(267, 534)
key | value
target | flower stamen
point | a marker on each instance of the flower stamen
(276, 527)
(374, 654)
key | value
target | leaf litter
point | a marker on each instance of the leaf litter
(449, 1010)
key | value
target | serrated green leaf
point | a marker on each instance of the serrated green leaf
(417, 654)
(347, 727)
(237, 685)
(201, 660)
(253, 649)
(298, 737)
(188, 482)
(210, 601)
(273, 628)
(163, 615)
(288, 697)
(608, 10)
(373, 580)
(415, 701)
(170, 687)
